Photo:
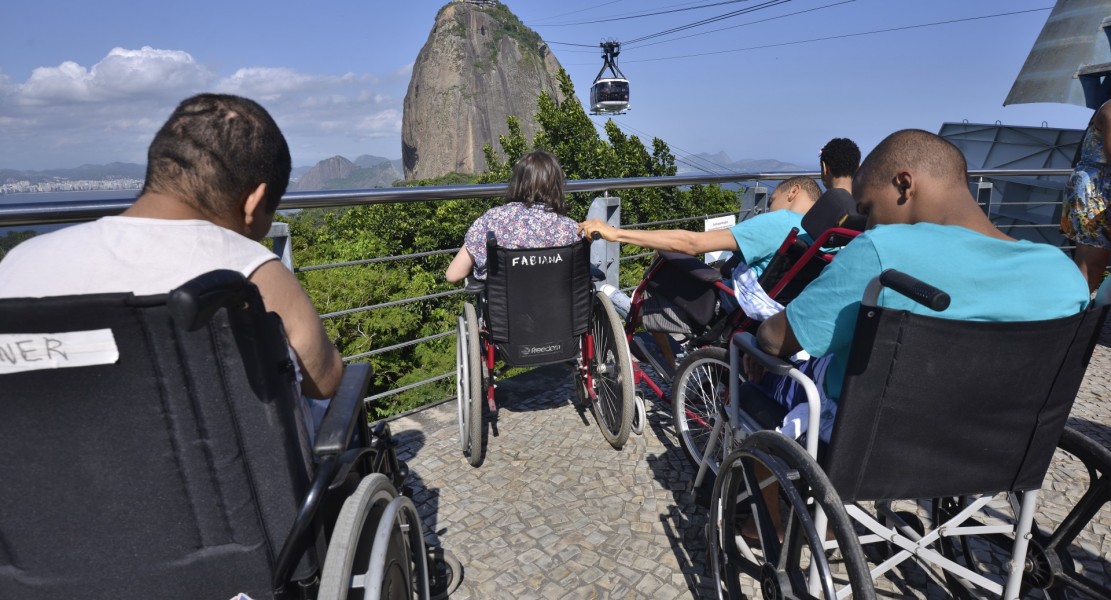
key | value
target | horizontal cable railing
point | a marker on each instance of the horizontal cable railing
(39, 213)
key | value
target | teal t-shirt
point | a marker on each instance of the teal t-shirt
(759, 237)
(987, 280)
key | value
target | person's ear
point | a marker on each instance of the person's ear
(254, 203)
(904, 181)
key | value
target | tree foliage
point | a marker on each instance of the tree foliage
(378, 231)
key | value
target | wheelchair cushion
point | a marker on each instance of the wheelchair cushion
(680, 296)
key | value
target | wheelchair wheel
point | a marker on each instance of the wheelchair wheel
(699, 390)
(791, 567)
(377, 547)
(468, 385)
(1076, 490)
(612, 370)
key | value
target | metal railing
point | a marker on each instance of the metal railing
(38, 213)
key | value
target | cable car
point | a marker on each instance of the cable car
(610, 94)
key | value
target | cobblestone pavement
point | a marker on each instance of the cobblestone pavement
(556, 512)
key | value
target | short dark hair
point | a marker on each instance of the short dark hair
(214, 150)
(841, 156)
(805, 183)
(914, 148)
(538, 179)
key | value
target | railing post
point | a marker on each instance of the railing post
(279, 233)
(604, 255)
(759, 199)
(983, 191)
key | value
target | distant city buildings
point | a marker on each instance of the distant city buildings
(65, 185)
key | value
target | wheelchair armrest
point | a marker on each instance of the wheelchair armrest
(339, 420)
(773, 364)
(473, 286)
(746, 342)
(194, 302)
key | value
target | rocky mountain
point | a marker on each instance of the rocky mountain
(479, 65)
(338, 173)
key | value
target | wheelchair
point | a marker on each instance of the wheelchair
(944, 471)
(682, 295)
(538, 306)
(156, 446)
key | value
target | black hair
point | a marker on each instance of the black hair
(214, 150)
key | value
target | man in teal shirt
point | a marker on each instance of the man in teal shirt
(924, 222)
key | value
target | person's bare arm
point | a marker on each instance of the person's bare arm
(675, 240)
(460, 266)
(776, 337)
(321, 364)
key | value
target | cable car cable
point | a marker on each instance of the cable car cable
(641, 15)
(745, 24)
(847, 35)
(580, 10)
(707, 21)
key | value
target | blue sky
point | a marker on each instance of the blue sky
(90, 82)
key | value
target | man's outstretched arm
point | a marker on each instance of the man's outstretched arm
(674, 240)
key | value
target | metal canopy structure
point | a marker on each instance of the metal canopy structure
(1014, 204)
(1070, 62)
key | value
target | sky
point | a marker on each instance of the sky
(90, 82)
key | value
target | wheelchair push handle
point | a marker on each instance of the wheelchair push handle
(913, 288)
(594, 235)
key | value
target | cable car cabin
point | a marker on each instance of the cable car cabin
(609, 96)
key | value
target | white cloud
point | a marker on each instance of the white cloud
(71, 114)
(122, 74)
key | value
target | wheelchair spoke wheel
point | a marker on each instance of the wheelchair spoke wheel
(612, 370)
(763, 526)
(1060, 563)
(699, 391)
(377, 546)
(468, 385)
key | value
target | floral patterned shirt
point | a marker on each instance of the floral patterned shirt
(516, 226)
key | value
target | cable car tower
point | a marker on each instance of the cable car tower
(610, 94)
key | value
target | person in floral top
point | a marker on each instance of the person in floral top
(534, 216)
(1087, 195)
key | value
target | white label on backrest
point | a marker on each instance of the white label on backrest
(38, 351)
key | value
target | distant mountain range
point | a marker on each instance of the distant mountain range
(367, 171)
(338, 173)
(116, 170)
(722, 163)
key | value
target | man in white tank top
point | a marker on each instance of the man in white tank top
(215, 174)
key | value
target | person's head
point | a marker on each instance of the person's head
(797, 193)
(219, 154)
(538, 179)
(839, 158)
(912, 176)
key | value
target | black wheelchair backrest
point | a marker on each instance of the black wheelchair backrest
(538, 301)
(172, 466)
(935, 407)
